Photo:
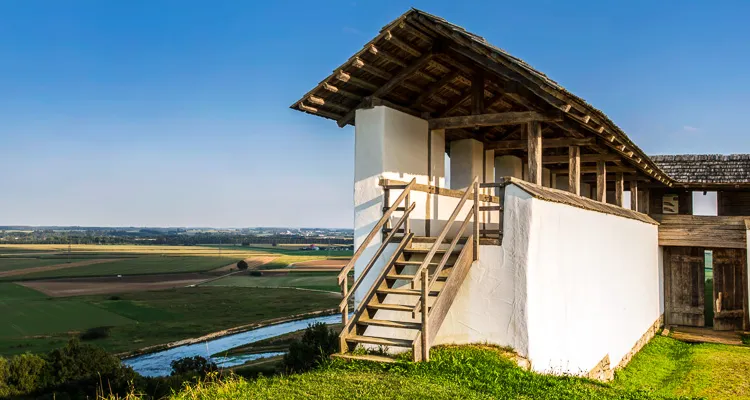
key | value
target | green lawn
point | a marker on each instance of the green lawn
(26, 312)
(669, 367)
(303, 280)
(145, 318)
(466, 372)
(137, 266)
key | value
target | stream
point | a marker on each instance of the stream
(158, 363)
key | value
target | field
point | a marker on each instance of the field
(303, 280)
(147, 295)
(38, 323)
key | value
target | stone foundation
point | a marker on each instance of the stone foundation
(603, 370)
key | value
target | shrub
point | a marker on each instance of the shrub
(20, 375)
(114, 298)
(193, 366)
(317, 344)
(242, 265)
(256, 273)
(100, 332)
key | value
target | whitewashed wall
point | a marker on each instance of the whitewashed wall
(592, 286)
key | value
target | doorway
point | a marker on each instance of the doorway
(706, 287)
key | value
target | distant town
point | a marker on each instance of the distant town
(174, 235)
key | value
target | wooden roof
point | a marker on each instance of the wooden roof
(424, 65)
(699, 170)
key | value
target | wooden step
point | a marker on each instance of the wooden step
(379, 341)
(425, 251)
(364, 357)
(406, 292)
(393, 277)
(391, 307)
(418, 263)
(391, 324)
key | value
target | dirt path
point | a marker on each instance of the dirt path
(24, 271)
(332, 264)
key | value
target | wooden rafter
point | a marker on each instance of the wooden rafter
(397, 79)
(386, 56)
(334, 89)
(434, 87)
(506, 118)
(584, 158)
(401, 44)
(548, 143)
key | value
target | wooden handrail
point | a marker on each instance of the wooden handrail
(452, 246)
(437, 190)
(375, 257)
(444, 232)
(375, 230)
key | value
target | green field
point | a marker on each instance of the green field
(303, 280)
(10, 264)
(137, 266)
(143, 319)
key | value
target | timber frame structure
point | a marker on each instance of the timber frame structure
(430, 259)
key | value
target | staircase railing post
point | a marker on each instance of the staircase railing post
(345, 311)
(425, 321)
(475, 242)
(407, 223)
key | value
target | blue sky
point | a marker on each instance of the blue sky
(175, 113)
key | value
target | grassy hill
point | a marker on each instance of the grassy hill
(466, 372)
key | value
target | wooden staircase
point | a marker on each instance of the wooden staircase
(411, 295)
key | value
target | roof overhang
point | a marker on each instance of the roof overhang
(425, 66)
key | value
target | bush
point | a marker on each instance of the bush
(114, 298)
(317, 344)
(242, 265)
(20, 375)
(100, 332)
(193, 366)
(256, 273)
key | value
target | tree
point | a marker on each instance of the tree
(317, 344)
(242, 265)
(193, 366)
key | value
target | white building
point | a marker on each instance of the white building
(532, 245)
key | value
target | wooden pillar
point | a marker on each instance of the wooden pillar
(619, 189)
(535, 152)
(601, 181)
(574, 169)
(634, 195)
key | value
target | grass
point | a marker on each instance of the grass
(669, 367)
(304, 280)
(137, 266)
(26, 312)
(10, 264)
(143, 319)
(467, 372)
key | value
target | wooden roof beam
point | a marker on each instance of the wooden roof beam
(401, 44)
(397, 79)
(546, 143)
(348, 78)
(322, 102)
(386, 56)
(592, 170)
(497, 119)
(314, 110)
(584, 158)
(334, 89)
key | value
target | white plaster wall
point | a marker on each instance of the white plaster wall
(467, 161)
(393, 145)
(592, 286)
(747, 257)
(508, 166)
(490, 305)
(661, 280)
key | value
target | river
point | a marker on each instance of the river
(158, 363)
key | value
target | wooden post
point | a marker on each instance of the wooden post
(535, 152)
(475, 242)
(477, 92)
(344, 291)
(574, 170)
(601, 181)
(634, 195)
(428, 197)
(619, 189)
(425, 321)
(553, 180)
(407, 223)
